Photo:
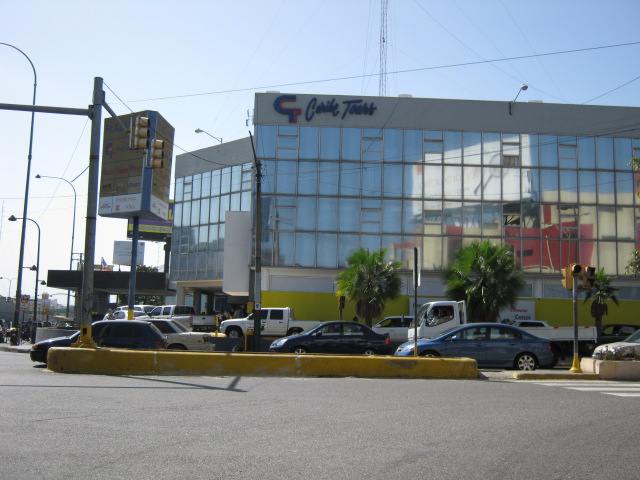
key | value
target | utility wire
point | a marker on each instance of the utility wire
(408, 70)
(612, 90)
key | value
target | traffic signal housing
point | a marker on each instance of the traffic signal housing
(157, 154)
(588, 277)
(139, 133)
(567, 279)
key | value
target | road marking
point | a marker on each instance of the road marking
(619, 389)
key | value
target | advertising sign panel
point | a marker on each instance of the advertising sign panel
(129, 186)
(153, 230)
(122, 253)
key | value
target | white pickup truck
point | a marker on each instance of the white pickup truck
(274, 322)
(437, 317)
(186, 315)
(179, 338)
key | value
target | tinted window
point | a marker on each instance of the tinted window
(353, 329)
(182, 310)
(156, 311)
(627, 330)
(500, 333)
(164, 327)
(277, 314)
(262, 314)
(121, 330)
(332, 329)
(166, 311)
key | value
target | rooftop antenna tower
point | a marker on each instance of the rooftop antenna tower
(382, 84)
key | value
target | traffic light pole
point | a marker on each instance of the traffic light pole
(94, 112)
(258, 253)
(575, 365)
(135, 235)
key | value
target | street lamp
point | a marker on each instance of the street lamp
(522, 89)
(10, 281)
(73, 228)
(35, 268)
(199, 130)
(16, 312)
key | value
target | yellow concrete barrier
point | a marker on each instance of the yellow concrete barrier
(108, 361)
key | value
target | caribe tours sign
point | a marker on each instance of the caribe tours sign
(286, 105)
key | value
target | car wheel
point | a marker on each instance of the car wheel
(176, 346)
(526, 362)
(233, 332)
(369, 352)
(299, 350)
(430, 354)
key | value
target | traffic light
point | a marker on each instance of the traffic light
(139, 133)
(567, 279)
(588, 277)
(568, 274)
(157, 154)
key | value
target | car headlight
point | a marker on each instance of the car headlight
(279, 342)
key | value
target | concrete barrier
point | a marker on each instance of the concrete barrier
(612, 369)
(108, 361)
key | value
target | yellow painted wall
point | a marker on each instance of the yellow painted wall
(324, 306)
(558, 312)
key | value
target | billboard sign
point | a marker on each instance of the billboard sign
(129, 186)
(153, 230)
(122, 253)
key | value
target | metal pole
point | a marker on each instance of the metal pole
(415, 301)
(35, 300)
(575, 365)
(16, 312)
(73, 229)
(135, 234)
(258, 253)
(92, 210)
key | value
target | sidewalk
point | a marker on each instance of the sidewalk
(22, 348)
(543, 374)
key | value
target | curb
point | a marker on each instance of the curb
(554, 376)
(7, 348)
(107, 361)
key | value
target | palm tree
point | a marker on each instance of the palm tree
(369, 281)
(600, 293)
(485, 276)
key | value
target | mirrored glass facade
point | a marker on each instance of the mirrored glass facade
(327, 190)
(201, 203)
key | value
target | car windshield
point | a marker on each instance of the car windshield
(634, 337)
(178, 326)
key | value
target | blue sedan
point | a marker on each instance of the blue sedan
(490, 344)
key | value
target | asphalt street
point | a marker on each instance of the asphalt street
(58, 426)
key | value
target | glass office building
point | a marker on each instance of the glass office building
(553, 182)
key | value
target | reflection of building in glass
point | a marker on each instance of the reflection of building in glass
(552, 181)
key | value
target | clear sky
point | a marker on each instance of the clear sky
(150, 49)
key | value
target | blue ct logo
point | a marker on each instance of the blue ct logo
(292, 113)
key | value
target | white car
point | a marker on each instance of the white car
(136, 308)
(180, 338)
(627, 349)
(397, 327)
(122, 315)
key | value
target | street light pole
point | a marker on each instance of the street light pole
(73, 228)
(35, 299)
(16, 313)
(199, 130)
(10, 281)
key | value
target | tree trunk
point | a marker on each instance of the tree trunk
(598, 319)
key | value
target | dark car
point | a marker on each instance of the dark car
(335, 337)
(134, 334)
(108, 333)
(490, 344)
(616, 332)
(39, 350)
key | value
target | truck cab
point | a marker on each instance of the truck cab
(436, 317)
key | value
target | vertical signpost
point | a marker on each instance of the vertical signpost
(136, 175)
(416, 284)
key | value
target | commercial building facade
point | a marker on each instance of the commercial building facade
(554, 182)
